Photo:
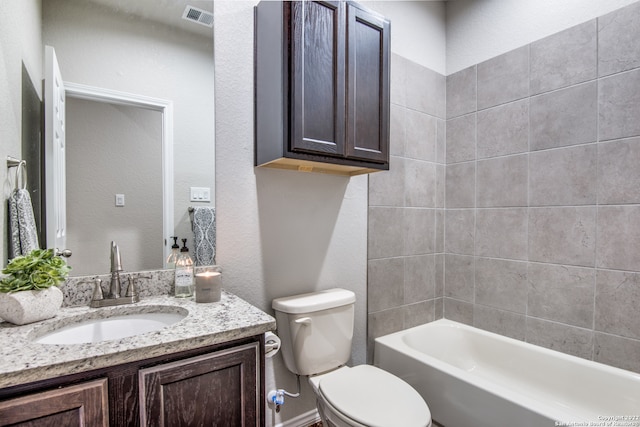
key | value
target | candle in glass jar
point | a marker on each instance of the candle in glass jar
(208, 286)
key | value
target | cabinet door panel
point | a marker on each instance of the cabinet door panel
(79, 405)
(318, 87)
(66, 418)
(217, 389)
(368, 86)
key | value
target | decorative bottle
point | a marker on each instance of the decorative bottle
(184, 273)
(173, 256)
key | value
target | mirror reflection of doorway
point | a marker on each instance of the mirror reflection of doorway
(114, 179)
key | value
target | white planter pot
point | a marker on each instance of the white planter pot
(25, 307)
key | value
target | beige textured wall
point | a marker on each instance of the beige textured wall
(20, 41)
(281, 232)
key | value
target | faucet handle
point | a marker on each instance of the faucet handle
(97, 289)
(132, 289)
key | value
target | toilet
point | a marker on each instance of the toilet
(316, 330)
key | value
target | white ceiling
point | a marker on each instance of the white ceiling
(168, 12)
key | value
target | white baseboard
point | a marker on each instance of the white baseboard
(302, 420)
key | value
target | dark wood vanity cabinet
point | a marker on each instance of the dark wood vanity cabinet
(221, 385)
(217, 389)
(321, 87)
(82, 404)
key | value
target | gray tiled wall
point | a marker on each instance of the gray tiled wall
(542, 213)
(539, 238)
(406, 206)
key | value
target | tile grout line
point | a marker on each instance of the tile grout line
(526, 315)
(475, 200)
(597, 206)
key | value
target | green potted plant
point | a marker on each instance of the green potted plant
(29, 292)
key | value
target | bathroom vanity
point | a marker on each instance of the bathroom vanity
(205, 368)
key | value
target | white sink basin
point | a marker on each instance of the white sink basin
(110, 328)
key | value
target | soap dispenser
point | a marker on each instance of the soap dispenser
(173, 256)
(184, 273)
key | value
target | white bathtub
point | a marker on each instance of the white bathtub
(473, 378)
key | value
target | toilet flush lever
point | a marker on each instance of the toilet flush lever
(303, 321)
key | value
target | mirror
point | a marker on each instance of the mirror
(119, 198)
(146, 48)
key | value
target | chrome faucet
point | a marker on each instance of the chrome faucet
(114, 296)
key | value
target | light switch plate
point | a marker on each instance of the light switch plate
(119, 200)
(200, 194)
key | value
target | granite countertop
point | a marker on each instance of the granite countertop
(22, 360)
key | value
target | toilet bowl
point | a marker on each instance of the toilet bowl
(368, 396)
(316, 331)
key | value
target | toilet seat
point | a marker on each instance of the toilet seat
(375, 398)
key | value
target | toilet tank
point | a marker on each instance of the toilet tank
(316, 330)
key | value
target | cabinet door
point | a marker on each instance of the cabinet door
(217, 389)
(317, 77)
(79, 405)
(368, 86)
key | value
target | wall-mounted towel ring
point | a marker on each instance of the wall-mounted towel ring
(23, 233)
(21, 171)
(22, 167)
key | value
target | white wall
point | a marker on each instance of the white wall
(479, 30)
(20, 41)
(417, 30)
(282, 233)
(98, 47)
(279, 232)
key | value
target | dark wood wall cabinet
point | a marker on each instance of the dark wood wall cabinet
(321, 87)
(221, 385)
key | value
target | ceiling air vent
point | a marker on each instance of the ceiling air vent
(199, 16)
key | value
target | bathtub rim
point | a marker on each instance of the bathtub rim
(395, 341)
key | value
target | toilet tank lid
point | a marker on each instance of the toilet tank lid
(314, 301)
